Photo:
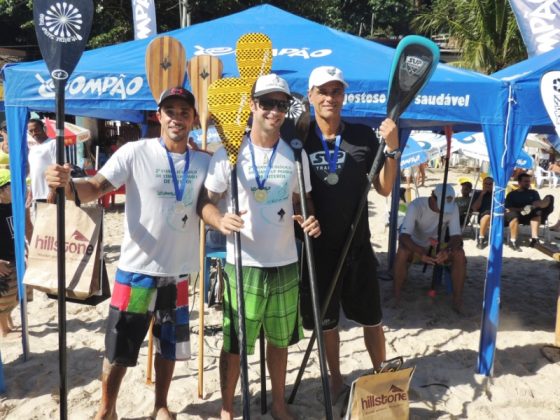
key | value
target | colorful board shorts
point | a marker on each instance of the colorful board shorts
(138, 297)
(8, 292)
(271, 296)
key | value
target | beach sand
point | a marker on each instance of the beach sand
(441, 344)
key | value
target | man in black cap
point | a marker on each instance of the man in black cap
(163, 178)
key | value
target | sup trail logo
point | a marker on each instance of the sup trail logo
(62, 22)
(414, 64)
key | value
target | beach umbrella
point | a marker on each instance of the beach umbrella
(72, 133)
(413, 154)
(434, 144)
(473, 145)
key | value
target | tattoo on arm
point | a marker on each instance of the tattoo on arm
(101, 183)
(207, 197)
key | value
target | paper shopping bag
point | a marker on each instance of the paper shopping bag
(83, 253)
(381, 396)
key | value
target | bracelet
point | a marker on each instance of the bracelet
(75, 192)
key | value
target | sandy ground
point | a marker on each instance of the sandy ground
(429, 335)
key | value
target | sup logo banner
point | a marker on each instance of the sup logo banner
(550, 93)
(62, 23)
(144, 14)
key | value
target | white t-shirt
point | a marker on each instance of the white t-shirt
(159, 238)
(267, 238)
(39, 158)
(421, 222)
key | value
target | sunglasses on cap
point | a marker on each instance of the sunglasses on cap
(268, 104)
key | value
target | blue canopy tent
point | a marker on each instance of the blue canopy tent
(524, 113)
(111, 82)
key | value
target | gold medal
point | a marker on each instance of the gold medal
(260, 195)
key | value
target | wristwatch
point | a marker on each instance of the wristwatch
(394, 154)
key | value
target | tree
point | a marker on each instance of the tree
(485, 31)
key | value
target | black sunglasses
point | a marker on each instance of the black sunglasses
(269, 104)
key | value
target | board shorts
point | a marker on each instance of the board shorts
(138, 297)
(271, 296)
(357, 290)
(8, 292)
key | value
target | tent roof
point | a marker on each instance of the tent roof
(113, 78)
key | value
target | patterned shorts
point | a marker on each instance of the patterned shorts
(138, 297)
(271, 301)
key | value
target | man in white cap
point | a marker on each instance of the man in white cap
(268, 193)
(341, 155)
(419, 235)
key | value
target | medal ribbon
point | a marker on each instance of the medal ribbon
(261, 181)
(331, 158)
(179, 190)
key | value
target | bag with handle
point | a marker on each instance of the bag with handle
(86, 275)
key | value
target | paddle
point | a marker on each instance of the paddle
(229, 103)
(202, 71)
(302, 120)
(414, 62)
(435, 273)
(62, 31)
(253, 55)
(165, 68)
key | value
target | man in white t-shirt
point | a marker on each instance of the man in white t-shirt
(40, 156)
(163, 178)
(268, 193)
(419, 235)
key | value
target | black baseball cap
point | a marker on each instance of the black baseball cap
(177, 92)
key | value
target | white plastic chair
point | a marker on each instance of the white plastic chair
(541, 175)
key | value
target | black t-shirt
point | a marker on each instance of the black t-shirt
(335, 205)
(486, 204)
(7, 251)
(519, 198)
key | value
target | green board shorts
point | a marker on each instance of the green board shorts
(271, 296)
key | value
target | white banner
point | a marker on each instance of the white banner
(550, 93)
(144, 14)
(539, 24)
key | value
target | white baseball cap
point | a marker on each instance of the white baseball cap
(270, 83)
(449, 197)
(325, 74)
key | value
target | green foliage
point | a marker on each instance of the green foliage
(392, 16)
(485, 31)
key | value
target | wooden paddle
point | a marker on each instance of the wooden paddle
(253, 54)
(202, 71)
(62, 31)
(165, 68)
(229, 103)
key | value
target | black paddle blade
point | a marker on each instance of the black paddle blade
(62, 29)
(416, 59)
(298, 118)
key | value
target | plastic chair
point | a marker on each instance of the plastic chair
(541, 175)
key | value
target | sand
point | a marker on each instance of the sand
(441, 344)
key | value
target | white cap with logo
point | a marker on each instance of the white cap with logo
(270, 83)
(325, 74)
(449, 197)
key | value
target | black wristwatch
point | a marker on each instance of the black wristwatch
(395, 154)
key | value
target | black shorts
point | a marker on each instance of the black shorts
(357, 289)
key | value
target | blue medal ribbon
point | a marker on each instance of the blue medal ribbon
(179, 190)
(262, 181)
(330, 158)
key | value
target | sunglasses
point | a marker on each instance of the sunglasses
(269, 104)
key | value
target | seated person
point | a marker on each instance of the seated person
(524, 206)
(464, 201)
(419, 235)
(482, 203)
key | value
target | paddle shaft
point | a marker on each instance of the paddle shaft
(60, 257)
(242, 337)
(150, 352)
(315, 300)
